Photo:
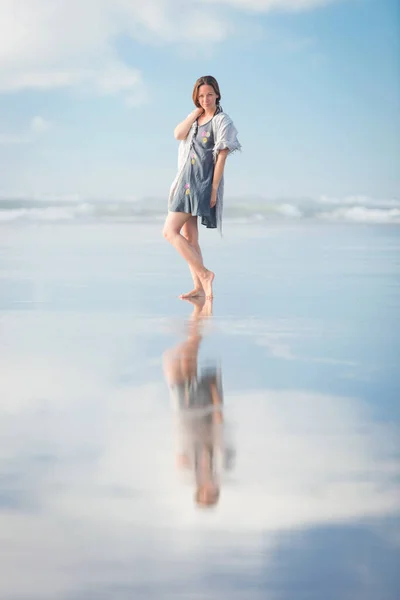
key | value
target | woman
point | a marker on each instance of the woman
(207, 136)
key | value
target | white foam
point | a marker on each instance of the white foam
(48, 213)
(289, 210)
(362, 214)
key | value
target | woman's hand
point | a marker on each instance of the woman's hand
(213, 200)
(218, 172)
(198, 112)
(181, 131)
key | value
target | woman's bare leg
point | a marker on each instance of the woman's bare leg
(191, 233)
(173, 225)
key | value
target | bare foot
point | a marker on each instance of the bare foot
(196, 293)
(207, 283)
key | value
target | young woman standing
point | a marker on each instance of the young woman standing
(207, 136)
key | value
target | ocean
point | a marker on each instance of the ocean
(110, 433)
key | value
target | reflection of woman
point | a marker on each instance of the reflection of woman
(197, 397)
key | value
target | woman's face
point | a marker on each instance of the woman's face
(207, 97)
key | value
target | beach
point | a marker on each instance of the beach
(304, 334)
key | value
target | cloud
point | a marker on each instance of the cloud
(268, 5)
(6, 138)
(37, 126)
(59, 44)
(62, 44)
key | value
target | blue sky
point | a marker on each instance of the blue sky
(90, 92)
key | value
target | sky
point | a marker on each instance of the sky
(91, 90)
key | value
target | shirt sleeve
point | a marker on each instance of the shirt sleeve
(226, 137)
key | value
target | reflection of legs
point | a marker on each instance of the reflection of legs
(208, 489)
(180, 368)
(173, 225)
(191, 233)
(180, 363)
(217, 402)
(202, 307)
(198, 304)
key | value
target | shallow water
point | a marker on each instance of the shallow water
(98, 463)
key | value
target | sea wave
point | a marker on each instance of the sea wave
(351, 209)
(58, 212)
(362, 214)
(49, 213)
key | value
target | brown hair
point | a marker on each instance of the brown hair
(206, 80)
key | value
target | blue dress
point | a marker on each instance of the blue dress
(193, 194)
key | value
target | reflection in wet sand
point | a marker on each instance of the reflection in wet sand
(90, 505)
(197, 397)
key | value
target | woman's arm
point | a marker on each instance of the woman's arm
(218, 172)
(181, 130)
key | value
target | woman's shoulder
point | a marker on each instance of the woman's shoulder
(222, 117)
(223, 124)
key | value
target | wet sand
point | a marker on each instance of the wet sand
(110, 419)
